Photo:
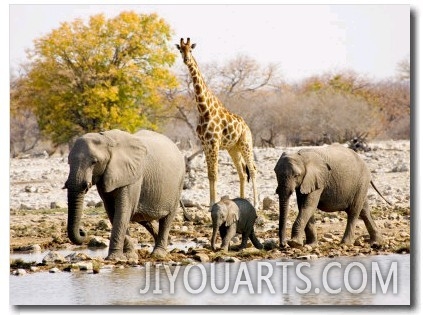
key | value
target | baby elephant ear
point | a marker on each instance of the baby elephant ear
(233, 213)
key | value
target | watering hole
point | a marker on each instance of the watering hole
(373, 280)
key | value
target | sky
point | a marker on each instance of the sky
(303, 40)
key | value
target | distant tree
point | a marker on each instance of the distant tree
(101, 74)
(403, 70)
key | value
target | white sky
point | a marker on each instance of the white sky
(303, 40)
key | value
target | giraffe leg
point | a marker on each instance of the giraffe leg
(212, 152)
(236, 156)
(246, 147)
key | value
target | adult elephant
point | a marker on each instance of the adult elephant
(331, 178)
(138, 176)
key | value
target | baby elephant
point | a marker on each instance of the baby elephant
(233, 216)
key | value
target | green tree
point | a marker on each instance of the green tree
(100, 74)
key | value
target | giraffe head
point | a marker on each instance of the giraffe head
(185, 49)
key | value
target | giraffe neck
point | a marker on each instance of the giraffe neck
(204, 97)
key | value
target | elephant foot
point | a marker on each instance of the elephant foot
(283, 245)
(116, 257)
(295, 243)
(159, 253)
(131, 256)
(312, 243)
(376, 242)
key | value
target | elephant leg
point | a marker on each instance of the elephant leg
(230, 233)
(348, 237)
(120, 224)
(160, 248)
(150, 228)
(255, 241)
(370, 224)
(223, 230)
(129, 249)
(244, 240)
(307, 206)
(310, 231)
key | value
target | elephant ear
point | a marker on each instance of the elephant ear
(127, 155)
(316, 172)
(233, 213)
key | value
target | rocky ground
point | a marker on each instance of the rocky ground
(38, 212)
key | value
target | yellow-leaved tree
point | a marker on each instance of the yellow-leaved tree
(97, 75)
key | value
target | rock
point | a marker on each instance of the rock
(402, 167)
(104, 225)
(270, 243)
(53, 257)
(20, 272)
(54, 270)
(307, 257)
(25, 206)
(99, 204)
(201, 257)
(98, 242)
(84, 265)
(30, 189)
(33, 268)
(91, 204)
(328, 235)
(184, 228)
(232, 259)
(235, 240)
(58, 205)
(268, 203)
(393, 216)
(75, 257)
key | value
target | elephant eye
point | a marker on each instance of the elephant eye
(94, 161)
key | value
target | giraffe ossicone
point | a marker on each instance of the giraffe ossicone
(218, 129)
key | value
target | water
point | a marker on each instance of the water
(374, 280)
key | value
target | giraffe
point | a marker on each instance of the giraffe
(219, 129)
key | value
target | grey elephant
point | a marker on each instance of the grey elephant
(331, 178)
(233, 216)
(138, 176)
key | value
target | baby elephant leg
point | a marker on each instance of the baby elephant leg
(229, 233)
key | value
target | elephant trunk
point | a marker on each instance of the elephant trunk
(75, 205)
(283, 215)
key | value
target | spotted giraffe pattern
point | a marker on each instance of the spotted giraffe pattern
(218, 128)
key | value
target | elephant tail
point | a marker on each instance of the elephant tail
(374, 187)
(187, 217)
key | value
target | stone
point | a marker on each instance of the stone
(53, 257)
(85, 265)
(104, 225)
(54, 270)
(270, 243)
(30, 189)
(98, 242)
(268, 203)
(20, 272)
(202, 257)
(58, 205)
